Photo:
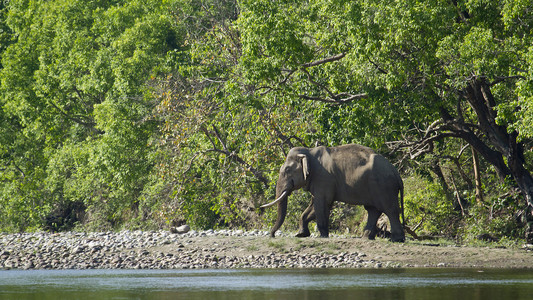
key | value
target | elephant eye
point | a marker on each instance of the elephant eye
(287, 170)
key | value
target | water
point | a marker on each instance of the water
(365, 284)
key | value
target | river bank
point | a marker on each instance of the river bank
(238, 249)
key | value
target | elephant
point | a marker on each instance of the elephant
(352, 174)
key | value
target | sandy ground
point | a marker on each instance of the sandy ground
(408, 254)
(240, 249)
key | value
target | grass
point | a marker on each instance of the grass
(278, 245)
(334, 246)
(441, 241)
(252, 248)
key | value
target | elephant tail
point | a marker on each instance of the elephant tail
(401, 203)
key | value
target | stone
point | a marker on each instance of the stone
(133, 249)
(77, 249)
(181, 229)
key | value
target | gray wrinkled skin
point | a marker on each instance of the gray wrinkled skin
(351, 174)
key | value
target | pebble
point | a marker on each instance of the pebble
(181, 229)
(135, 250)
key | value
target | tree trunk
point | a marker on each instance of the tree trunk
(437, 170)
(477, 177)
(480, 98)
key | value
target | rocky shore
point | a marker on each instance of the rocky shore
(160, 250)
(240, 249)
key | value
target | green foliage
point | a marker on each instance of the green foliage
(495, 223)
(417, 63)
(76, 115)
(500, 216)
(426, 204)
(382, 52)
(145, 114)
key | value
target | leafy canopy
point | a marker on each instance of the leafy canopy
(73, 88)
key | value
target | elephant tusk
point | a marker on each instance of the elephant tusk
(275, 201)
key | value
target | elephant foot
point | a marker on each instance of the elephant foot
(400, 238)
(324, 231)
(303, 234)
(369, 234)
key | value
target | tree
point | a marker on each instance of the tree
(131, 111)
(219, 145)
(75, 111)
(426, 71)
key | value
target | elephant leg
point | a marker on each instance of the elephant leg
(371, 230)
(307, 216)
(397, 233)
(322, 208)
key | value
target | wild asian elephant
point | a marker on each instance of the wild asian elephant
(351, 174)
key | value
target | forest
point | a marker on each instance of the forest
(147, 114)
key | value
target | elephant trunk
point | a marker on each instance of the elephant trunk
(282, 211)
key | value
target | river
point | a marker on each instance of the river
(258, 284)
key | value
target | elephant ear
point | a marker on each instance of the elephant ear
(305, 165)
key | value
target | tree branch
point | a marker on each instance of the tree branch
(450, 127)
(192, 160)
(232, 154)
(91, 125)
(336, 100)
(12, 161)
(421, 146)
(331, 94)
(324, 61)
(504, 78)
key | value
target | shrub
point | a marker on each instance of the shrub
(426, 204)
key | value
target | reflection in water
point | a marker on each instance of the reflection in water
(268, 284)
